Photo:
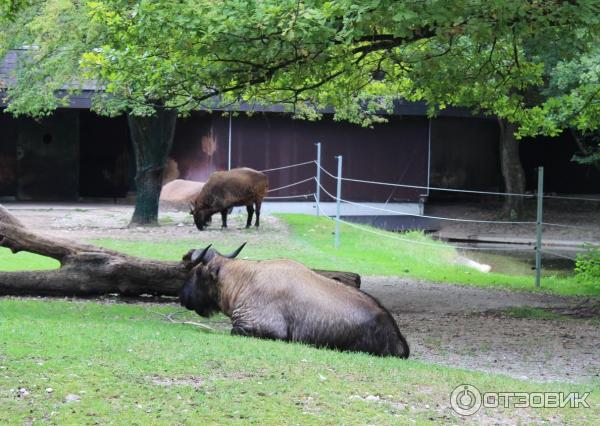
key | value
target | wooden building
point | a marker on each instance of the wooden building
(75, 154)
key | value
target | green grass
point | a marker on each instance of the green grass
(166, 220)
(24, 261)
(369, 254)
(129, 366)
(535, 313)
(311, 242)
(544, 314)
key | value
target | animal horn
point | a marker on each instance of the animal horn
(198, 255)
(236, 252)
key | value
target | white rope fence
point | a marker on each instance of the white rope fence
(430, 188)
(338, 199)
(426, 216)
(539, 223)
(455, 190)
(412, 241)
(466, 191)
(281, 197)
(288, 167)
(300, 182)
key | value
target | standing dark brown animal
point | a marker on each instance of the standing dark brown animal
(224, 190)
(284, 300)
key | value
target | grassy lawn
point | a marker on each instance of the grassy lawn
(535, 313)
(311, 242)
(24, 261)
(124, 364)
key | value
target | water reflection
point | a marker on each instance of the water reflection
(520, 259)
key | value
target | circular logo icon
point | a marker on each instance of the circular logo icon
(465, 400)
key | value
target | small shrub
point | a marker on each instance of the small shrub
(587, 266)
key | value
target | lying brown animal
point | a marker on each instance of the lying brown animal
(179, 193)
(284, 300)
(224, 190)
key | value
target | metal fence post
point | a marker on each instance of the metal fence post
(538, 228)
(229, 144)
(338, 202)
(318, 192)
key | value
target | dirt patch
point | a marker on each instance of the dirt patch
(191, 381)
(111, 221)
(464, 327)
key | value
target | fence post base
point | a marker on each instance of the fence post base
(318, 191)
(538, 228)
(338, 202)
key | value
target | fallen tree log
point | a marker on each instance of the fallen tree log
(88, 270)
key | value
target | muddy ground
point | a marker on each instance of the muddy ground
(446, 324)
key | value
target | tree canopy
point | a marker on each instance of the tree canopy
(357, 56)
(532, 63)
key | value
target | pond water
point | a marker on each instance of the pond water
(520, 260)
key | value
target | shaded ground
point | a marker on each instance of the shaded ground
(445, 324)
(579, 220)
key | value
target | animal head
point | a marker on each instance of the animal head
(202, 215)
(200, 291)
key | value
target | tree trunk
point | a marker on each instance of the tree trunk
(512, 170)
(152, 138)
(87, 270)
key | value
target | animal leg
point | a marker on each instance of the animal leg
(275, 329)
(271, 333)
(250, 211)
(239, 331)
(258, 204)
(224, 218)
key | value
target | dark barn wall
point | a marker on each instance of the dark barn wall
(199, 147)
(48, 157)
(561, 175)
(75, 153)
(465, 154)
(71, 154)
(8, 155)
(106, 163)
(391, 152)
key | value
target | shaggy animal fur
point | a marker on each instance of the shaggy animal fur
(224, 190)
(284, 300)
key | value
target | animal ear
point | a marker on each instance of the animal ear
(214, 272)
(187, 258)
(236, 252)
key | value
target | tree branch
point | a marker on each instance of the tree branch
(87, 270)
